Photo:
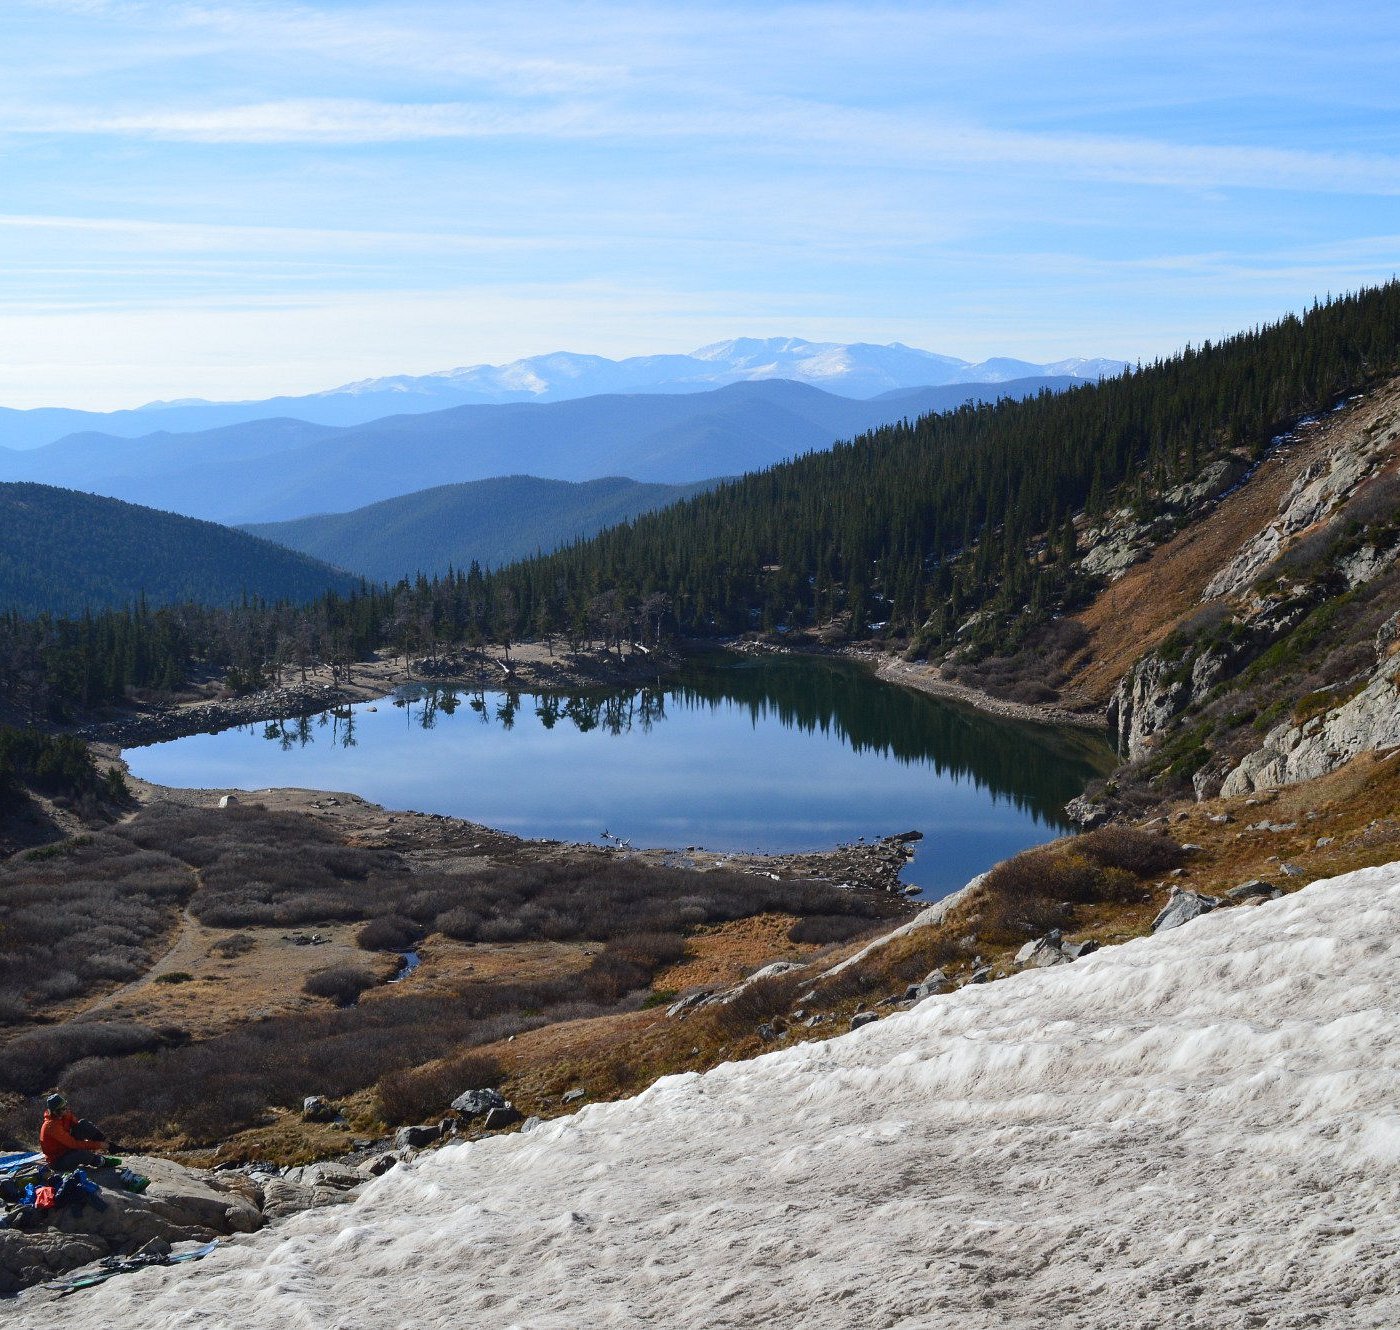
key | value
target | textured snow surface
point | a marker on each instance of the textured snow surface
(1200, 1129)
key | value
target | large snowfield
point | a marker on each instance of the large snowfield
(1200, 1129)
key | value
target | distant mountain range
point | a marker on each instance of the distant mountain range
(271, 470)
(492, 521)
(857, 369)
(63, 552)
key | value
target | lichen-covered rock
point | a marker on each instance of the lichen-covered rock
(326, 1174)
(507, 1115)
(1148, 698)
(1115, 548)
(282, 1198)
(416, 1137)
(1325, 483)
(1088, 813)
(478, 1103)
(1368, 722)
(1254, 889)
(315, 1108)
(1042, 952)
(933, 983)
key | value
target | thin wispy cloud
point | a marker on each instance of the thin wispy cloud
(785, 129)
(363, 187)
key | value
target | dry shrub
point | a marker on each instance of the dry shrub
(599, 898)
(1138, 852)
(1031, 692)
(754, 1004)
(826, 928)
(893, 967)
(19, 1124)
(239, 944)
(81, 915)
(342, 983)
(391, 932)
(33, 1061)
(416, 1094)
(1036, 891)
(1028, 894)
(212, 1088)
(628, 964)
(14, 1010)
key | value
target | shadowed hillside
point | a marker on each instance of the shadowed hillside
(62, 552)
(491, 522)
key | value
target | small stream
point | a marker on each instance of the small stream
(411, 961)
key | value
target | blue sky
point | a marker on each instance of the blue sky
(235, 199)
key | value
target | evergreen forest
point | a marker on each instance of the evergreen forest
(64, 552)
(958, 526)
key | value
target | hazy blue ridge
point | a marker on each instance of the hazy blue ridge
(492, 521)
(858, 370)
(279, 469)
(63, 552)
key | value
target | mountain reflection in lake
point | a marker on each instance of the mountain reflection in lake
(776, 753)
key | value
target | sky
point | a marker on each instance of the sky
(232, 200)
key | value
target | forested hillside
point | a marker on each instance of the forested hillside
(492, 522)
(62, 552)
(272, 470)
(916, 527)
(959, 528)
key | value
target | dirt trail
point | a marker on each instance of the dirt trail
(191, 942)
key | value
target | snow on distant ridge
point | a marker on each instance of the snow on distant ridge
(855, 369)
(1198, 1129)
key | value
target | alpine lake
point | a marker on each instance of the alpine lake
(773, 753)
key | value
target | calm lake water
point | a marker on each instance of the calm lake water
(739, 753)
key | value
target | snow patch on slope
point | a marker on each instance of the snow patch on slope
(1198, 1129)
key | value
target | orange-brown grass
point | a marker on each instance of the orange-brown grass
(722, 954)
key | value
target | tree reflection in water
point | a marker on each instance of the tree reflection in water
(1036, 767)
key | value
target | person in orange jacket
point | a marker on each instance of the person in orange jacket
(66, 1142)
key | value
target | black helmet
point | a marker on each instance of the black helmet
(54, 1102)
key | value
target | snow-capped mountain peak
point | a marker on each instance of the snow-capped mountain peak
(850, 369)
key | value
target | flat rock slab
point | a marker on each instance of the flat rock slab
(179, 1206)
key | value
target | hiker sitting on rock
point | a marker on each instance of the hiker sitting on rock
(66, 1141)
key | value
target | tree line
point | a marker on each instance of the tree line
(957, 526)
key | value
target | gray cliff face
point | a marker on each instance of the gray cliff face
(1366, 722)
(1123, 540)
(1259, 599)
(1149, 697)
(1327, 483)
(1156, 691)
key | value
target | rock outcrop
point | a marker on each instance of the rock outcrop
(179, 1205)
(1368, 721)
(1325, 483)
(1182, 907)
(1291, 753)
